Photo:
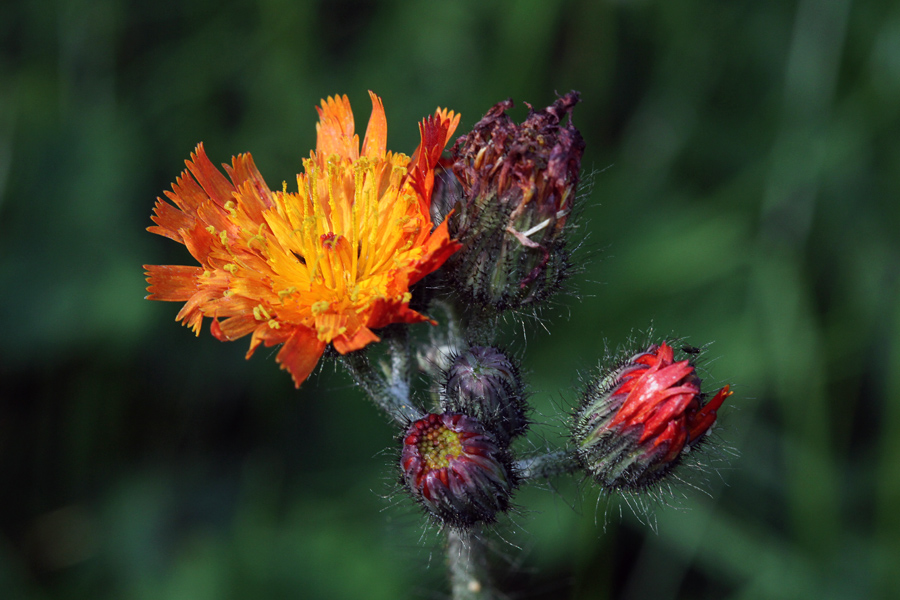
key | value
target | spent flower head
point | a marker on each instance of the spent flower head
(519, 184)
(327, 264)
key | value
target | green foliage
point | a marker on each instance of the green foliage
(745, 174)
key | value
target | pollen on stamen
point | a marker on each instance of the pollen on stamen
(259, 237)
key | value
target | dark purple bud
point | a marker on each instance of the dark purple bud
(484, 383)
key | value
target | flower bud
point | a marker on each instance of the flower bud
(456, 469)
(484, 383)
(635, 423)
(519, 184)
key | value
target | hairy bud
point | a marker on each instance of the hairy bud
(519, 184)
(456, 469)
(636, 421)
(484, 383)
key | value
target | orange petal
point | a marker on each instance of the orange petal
(175, 283)
(383, 312)
(438, 249)
(334, 131)
(300, 354)
(233, 328)
(169, 220)
(261, 334)
(193, 321)
(243, 169)
(452, 119)
(434, 132)
(362, 338)
(200, 242)
(216, 186)
(255, 195)
(187, 194)
(375, 142)
(216, 216)
(192, 311)
(330, 325)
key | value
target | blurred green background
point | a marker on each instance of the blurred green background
(745, 162)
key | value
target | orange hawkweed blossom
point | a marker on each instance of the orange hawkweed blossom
(324, 265)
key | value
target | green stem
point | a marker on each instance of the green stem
(544, 466)
(401, 367)
(391, 396)
(482, 326)
(468, 566)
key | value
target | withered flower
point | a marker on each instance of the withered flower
(519, 183)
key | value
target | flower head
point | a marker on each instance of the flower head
(456, 469)
(519, 183)
(635, 422)
(326, 264)
(484, 382)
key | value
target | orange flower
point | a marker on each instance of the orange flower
(324, 265)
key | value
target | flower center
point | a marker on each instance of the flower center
(437, 444)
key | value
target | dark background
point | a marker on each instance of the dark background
(744, 161)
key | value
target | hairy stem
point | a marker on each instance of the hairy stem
(401, 366)
(482, 326)
(391, 396)
(468, 566)
(548, 465)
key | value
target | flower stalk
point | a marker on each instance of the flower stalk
(549, 465)
(390, 394)
(468, 566)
